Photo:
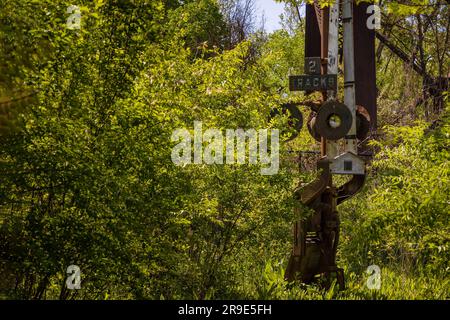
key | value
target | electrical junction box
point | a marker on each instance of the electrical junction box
(348, 163)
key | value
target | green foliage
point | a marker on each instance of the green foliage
(405, 220)
(87, 176)
(88, 180)
(269, 284)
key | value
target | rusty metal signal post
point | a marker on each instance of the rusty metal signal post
(316, 238)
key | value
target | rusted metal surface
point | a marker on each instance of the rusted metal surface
(311, 124)
(316, 238)
(306, 257)
(365, 68)
(312, 191)
(351, 188)
(312, 33)
(323, 20)
(363, 123)
(320, 16)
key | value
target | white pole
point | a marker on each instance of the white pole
(349, 73)
(333, 51)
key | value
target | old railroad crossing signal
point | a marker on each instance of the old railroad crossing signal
(316, 238)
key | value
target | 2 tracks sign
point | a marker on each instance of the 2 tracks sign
(313, 82)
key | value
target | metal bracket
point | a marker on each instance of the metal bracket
(312, 191)
(351, 188)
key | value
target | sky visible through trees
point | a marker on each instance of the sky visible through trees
(271, 11)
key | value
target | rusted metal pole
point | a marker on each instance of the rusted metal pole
(324, 55)
(365, 62)
(312, 33)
